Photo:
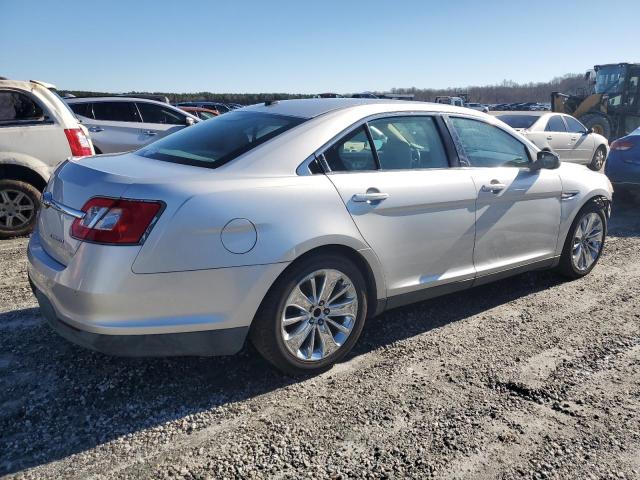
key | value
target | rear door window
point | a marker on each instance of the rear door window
(18, 108)
(555, 124)
(351, 153)
(152, 113)
(404, 143)
(219, 140)
(116, 111)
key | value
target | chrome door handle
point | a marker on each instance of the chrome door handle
(549, 138)
(151, 133)
(573, 139)
(494, 187)
(96, 129)
(369, 197)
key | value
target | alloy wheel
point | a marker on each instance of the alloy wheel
(587, 241)
(599, 160)
(16, 209)
(319, 315)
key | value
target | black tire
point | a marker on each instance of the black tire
(566, 266)
(597, 162)
(11, 224)
(599, 122)
(265, 333)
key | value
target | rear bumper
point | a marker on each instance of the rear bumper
(225, 341)
(97, 302)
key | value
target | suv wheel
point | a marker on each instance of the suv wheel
(19, 203)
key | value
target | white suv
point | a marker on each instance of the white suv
(37, 132)
(121, 124)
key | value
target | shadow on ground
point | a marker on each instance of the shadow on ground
(57, 399)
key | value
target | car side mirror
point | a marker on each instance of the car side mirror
(189, 121)
(547, 160)
(590, 130)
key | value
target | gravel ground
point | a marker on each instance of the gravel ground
(529, 377)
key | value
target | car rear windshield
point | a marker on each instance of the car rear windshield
(219, 140)
(519, 121)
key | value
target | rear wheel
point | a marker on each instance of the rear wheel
(585, 241)
(312, 316)
(19, 203)
(598, 122)
(598, 159)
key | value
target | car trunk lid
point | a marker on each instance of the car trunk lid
(76, 181)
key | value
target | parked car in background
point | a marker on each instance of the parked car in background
(217, 106)
(37, 132)
(201, 113)
(328, 95)
(561, 134)
(122, 124)
(290, 222)
(477, 106)
(623, 164)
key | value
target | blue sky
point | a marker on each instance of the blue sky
(309, 47)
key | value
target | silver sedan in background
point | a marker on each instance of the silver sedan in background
(291, 222)
(562, 134)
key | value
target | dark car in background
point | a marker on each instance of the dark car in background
(623, 165)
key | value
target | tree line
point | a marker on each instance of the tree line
(505, 92)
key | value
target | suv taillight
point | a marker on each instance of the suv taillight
(114, 221)
(623, 145)
(78, 142)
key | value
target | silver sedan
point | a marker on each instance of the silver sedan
(292, 222)
(562, 134)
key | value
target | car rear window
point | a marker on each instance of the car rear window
(220, 139)
(519, 121)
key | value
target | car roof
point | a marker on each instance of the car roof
(313, 107)
(531, 113)
(114, 99)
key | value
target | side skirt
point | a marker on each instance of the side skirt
(432, 292)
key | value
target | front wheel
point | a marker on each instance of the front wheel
(585, 241)
(312, 316)
(598, 159)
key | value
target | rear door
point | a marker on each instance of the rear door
(557, 137)
(582, 144)
(114, 126)
(517, 210)
(415, 212)
(158, 121)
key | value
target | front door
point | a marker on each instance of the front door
(415, 212)
(517, 210)
(158, 121)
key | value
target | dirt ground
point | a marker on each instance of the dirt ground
(530, 377)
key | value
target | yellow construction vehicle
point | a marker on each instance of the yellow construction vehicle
(611, 107)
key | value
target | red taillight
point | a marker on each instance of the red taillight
(113, 221)
(78, 142)
(623, 145)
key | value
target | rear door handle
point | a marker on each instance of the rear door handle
(96, 129)
(151, 133)
(369, 197)
(493, 187)
(549, 137)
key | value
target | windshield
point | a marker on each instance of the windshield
(519, 121)
(220, 139)
(610, 79)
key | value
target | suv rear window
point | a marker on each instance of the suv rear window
(17, 107)
(519, 121)
(219, 140)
